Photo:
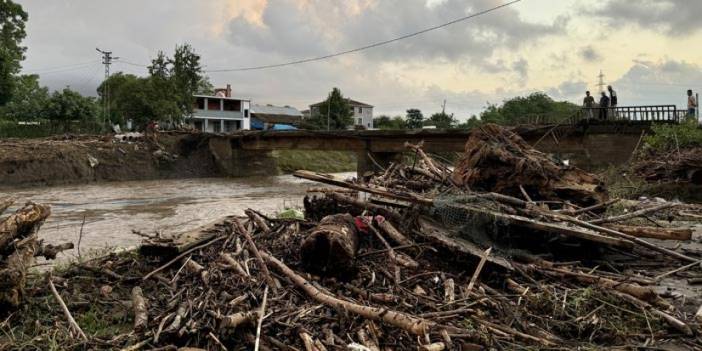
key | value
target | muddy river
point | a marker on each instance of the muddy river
(112, 210)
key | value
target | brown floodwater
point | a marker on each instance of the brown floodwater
(112, 210)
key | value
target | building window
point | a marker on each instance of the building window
(232, 105)
(200, 103)
(213, 104)
(359, 121)
(360, 110)
(246, 113)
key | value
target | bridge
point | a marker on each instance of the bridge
(586, 142)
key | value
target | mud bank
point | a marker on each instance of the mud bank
(84, 159)
(66, 160)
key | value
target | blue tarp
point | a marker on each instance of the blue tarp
(283, 127)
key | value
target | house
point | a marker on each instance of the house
(264, 117)
(362, 112)
(221, 113)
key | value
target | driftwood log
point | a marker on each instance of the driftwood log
(19, 244)
(332, 245)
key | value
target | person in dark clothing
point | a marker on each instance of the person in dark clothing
(604, 106)
(588, 104)
(613, 102)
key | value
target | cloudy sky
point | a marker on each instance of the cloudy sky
(650, 50)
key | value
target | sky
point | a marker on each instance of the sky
(649, 50)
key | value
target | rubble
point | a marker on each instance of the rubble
(467, 261)
(673, 166)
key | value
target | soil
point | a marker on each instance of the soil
(82, 159)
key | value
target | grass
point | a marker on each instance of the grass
(316, 161)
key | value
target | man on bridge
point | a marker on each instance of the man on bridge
(691, 104)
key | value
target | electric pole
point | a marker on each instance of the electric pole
(443, 107)
(601, 84)
(107, 61)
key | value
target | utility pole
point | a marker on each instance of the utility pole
(107, 61)
(443, 108)
(601, 83)
(328, 113)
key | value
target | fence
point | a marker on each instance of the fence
(645, 114)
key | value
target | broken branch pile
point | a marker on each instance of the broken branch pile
(19, 244)
(678, 165)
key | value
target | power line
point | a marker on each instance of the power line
(370, 46)
(39, 70)
(77, 68)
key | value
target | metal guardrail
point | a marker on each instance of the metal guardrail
(647, 114)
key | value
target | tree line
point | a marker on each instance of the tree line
(517, 110)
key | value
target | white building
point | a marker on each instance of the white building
(362, 113)
(221, 113)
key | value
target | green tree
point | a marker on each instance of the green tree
(470, 123)
(534, 107)
(415, 119)
(67, 106)
(28, 100)
(441, 120)
(335, 112)
(165, 95)
(386, 122)
(12, 32)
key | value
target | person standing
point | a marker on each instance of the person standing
(613, 101)
(691, 104)
(588, 104)
(604, 106)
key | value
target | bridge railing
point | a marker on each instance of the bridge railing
(648, 114)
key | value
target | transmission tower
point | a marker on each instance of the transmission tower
(601, 83)
(107, 61)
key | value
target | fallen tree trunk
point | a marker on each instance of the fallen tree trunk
(654, 232)
(332, 245)
(411, 324)
(20, 230)
(22, 223)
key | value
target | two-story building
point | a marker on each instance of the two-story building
(362, 112)
(221, 113)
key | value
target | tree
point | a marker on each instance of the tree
(441, 120)
(335, 112)
(166, 95)
(471, 123)
(524, 109)
(415, 119)
(12, 32)
(385, 122)
(67, 106)
(28, 100)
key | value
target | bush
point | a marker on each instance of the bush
(671, 136)
(11, 129)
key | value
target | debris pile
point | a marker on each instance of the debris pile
(674, 166)
(419, 256)
(19, 245)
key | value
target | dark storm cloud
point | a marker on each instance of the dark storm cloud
(323, 27)
(675, 17)
(589, 54)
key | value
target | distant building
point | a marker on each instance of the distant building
(221, 113)
(264, 117)
(362, 112)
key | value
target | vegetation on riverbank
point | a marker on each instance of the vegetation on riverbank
(315, 160)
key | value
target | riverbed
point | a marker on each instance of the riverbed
(109, 212)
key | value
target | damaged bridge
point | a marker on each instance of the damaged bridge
(587, 145)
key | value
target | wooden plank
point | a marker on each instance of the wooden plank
(181, 242)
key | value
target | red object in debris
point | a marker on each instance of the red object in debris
(362, 223)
